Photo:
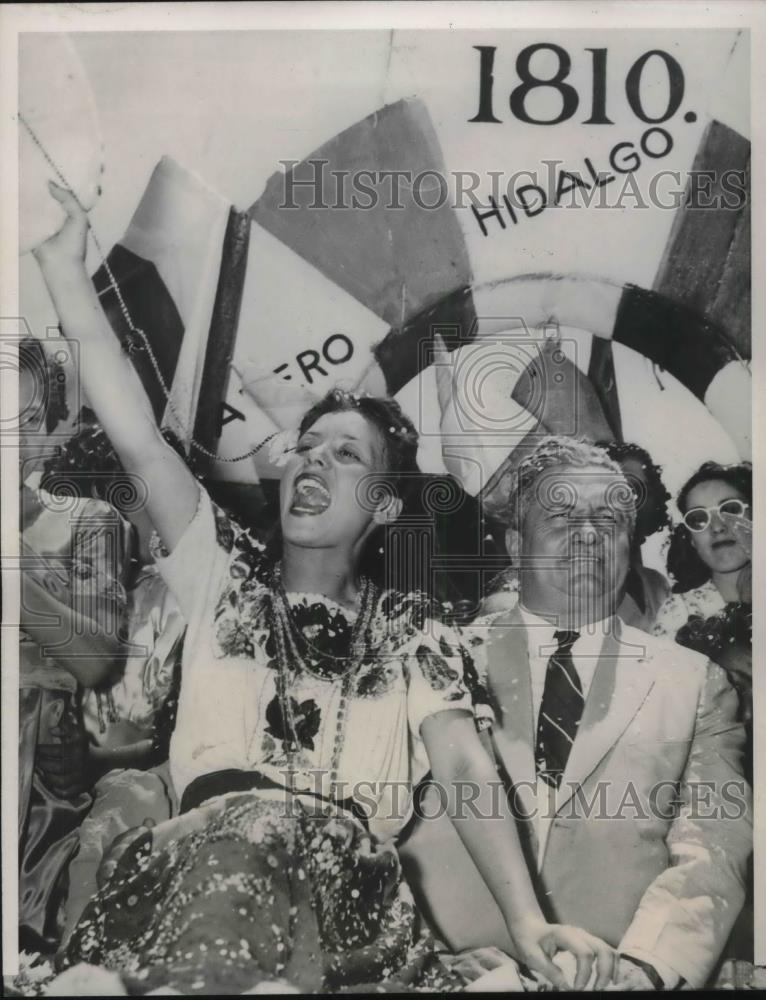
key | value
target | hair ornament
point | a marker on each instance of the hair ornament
(281, 445)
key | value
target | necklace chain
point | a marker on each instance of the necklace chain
(133, 344)
(285, 632)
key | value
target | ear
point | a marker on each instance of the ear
(389, 512)
(513, 544)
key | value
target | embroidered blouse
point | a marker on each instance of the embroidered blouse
(229, 714)
(700, 602)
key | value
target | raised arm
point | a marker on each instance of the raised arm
(110, 383)
(490, 836)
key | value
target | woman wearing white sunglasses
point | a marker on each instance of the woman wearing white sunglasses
(709, 558)
(710, 550)
(711, 607)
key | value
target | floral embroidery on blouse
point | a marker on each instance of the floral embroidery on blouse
(731, 627)
(699, 602)
(249, 564)
(242, 628)
(241, 615)
(375, 679)
(224, 529)
(439, 674)
(222, 718)
(306, 715)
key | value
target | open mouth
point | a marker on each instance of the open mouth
(310, 495)
(586, 560)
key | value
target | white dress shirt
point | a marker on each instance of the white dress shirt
(542, 645)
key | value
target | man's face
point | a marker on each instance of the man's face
(575, 544)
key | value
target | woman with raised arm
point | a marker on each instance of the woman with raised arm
(310, 704)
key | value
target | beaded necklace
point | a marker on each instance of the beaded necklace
(287, 635)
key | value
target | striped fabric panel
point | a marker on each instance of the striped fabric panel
(716, 281)
(152, 310)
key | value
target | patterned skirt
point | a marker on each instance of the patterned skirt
(248, 889)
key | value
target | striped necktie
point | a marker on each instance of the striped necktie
(560, 711)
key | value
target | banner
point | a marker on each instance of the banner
(503, 189)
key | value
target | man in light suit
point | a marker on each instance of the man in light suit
(621, 751)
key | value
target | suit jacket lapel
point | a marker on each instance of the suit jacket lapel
(620, 685)
(510, 685)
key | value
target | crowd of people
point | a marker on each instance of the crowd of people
(225, 738)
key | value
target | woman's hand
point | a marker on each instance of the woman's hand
(457, 757)
(537, 942)
(126, 416)
(70, 242)
(742, 529)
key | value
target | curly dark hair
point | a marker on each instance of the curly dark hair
(88, 465)
(51, 379)
(400, 439)
(553, 451)
(651, 497)
(684, 564)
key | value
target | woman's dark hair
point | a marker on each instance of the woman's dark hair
(50, 378)
(84, 462)
(88, 466)
(651, 498)
(739, 477)
(400, 440)
(684, 564)
(397, 431)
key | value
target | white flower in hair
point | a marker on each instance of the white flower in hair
(281, 445)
